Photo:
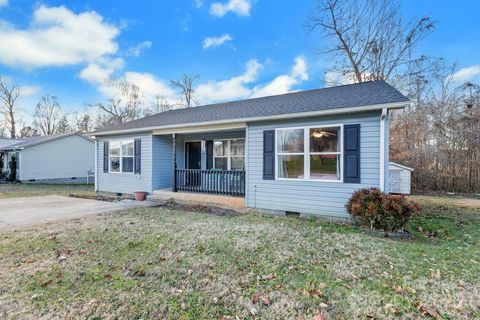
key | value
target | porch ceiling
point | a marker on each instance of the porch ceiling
(197, 129)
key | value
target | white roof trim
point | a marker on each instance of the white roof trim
(396, 105)
(400, 166)
(198, 129)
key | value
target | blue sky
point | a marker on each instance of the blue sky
(257, 47)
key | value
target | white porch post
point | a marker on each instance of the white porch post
(174, 164)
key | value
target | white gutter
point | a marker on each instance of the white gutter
(382, 148)
(374, 107)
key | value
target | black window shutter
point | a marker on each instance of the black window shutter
(105, 156)
(269, 155)
(138, 155)
(352, 153)
(209, 154)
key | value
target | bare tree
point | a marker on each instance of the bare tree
(158, 105)
(439, 133)
(184, 87)
(8, 98)
(125, 106)
(47, 115)
(370, 40)
(83, 122)
(28, 132)
(64, 125)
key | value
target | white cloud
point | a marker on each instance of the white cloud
(150, 86)
(284, 83)
(3, 3)
(467, 74)
(198, 3)
(238, 87)
(336, 78)
(101, 74)
(57, 37)
(216, 41)
(137, 50)
(233, 88)
(239, 7)
(30, 90)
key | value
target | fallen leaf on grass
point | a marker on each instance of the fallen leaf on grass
(319, 316)
(44, 282)
(58, 252)
(399, 289)
(314, 293)
(436, 274)
(263, 298)
(140, 272)
(391, 308)
(429, 311)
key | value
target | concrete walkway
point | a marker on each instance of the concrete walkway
(16, 213)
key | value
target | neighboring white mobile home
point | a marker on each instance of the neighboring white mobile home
(63, 158)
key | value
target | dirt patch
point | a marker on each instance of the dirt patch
(99, 197)
(172, 205)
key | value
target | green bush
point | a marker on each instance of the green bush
(375, 209)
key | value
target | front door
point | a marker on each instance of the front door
(193, 155)
(193, 160)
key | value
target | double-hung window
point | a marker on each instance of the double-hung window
(121, 156)
(229, 154)
(310, 153)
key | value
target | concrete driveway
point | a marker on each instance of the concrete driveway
(20, 212)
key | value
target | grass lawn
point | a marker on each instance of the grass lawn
(170, 264)
(16, 190)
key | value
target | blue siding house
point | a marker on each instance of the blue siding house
(303, 152)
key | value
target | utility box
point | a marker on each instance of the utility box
(400, 178)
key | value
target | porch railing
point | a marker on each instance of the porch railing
(226, 182)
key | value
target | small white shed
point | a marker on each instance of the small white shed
(400, 178)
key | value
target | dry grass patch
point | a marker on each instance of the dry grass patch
(17, 190)
(167, 263)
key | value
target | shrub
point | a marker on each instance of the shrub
(373, 208)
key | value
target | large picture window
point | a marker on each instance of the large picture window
(121, 156)
(229, 154)
(312, 153)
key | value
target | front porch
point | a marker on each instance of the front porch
(208, 161)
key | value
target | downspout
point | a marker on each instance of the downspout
(96, 165)
(383, 117)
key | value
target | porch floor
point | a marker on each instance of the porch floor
(229, 202)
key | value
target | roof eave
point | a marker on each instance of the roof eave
(395, 105)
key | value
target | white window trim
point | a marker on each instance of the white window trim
(306, 152)
(229, 156)
(121, 156)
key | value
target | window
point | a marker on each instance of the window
(121, 156)
(290, 153)
(324, 153)
(229, 154)
(309, 153)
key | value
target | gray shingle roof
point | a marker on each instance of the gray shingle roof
(347, 96)
(8, 142)
(34, 140)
